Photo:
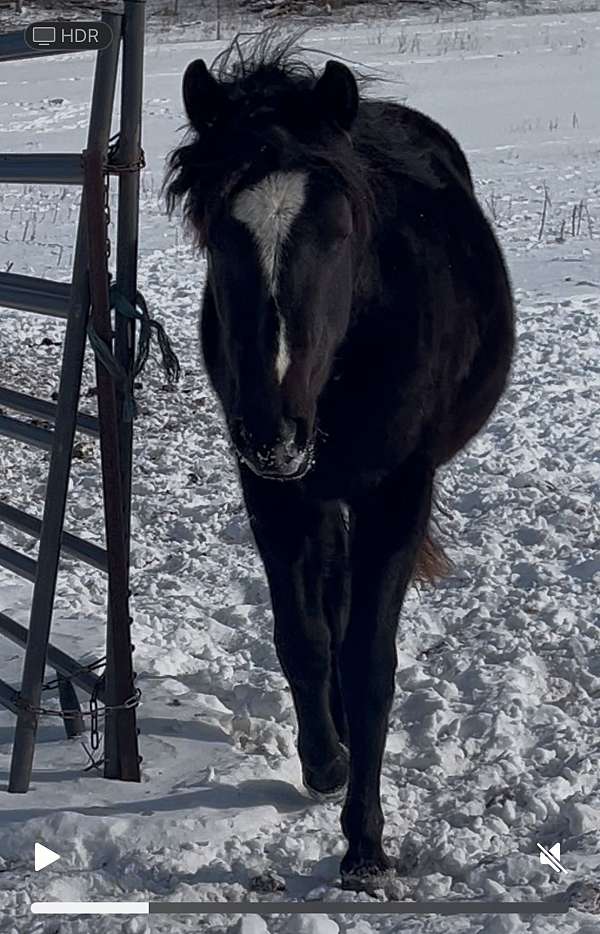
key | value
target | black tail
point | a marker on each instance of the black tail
(432, 561)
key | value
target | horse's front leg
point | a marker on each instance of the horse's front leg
(389, 527)
(288, 529)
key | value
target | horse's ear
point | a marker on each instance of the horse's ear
(336, 93)
(203, 96)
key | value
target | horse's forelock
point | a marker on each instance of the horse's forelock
(203, 182)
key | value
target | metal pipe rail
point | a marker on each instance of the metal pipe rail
(118, 723)
(40, 408)
(29, 293)
(14, 48)
(8, 697)
(28, 434)
(61, 662)
(71, 544)
(52, 169)
(17, 563)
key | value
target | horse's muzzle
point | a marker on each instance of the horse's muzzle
(289, 458)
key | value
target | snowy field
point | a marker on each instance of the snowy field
(494, 741)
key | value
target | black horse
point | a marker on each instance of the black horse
(357, 327)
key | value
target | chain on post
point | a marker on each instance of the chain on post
(93, 666)
(107, 217)
(95, 712)
(94, 730)
(112, 166)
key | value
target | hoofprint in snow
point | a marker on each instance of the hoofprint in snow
(493, 744)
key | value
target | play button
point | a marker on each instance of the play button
(43, 857)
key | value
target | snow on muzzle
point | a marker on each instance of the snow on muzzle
(289, 457)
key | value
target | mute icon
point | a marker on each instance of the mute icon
(551, 857)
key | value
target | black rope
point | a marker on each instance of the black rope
(136, 311)
(116, 370)
(148, 326)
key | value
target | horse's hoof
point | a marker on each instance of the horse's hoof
(374, 876)
(328, 784)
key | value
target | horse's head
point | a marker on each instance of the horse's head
(272, 197)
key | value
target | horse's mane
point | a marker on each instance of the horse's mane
(269, 125)
(270, 49)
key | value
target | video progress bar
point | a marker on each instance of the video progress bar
(300, 908)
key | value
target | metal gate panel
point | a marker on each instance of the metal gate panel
(72, 301)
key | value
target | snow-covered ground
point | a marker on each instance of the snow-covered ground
(493, 743)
